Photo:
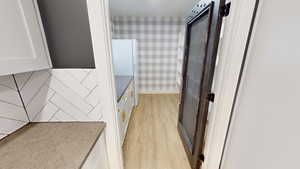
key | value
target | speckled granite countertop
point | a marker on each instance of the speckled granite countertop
(49, 145)
(122, 83)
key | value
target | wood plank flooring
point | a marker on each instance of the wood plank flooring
(152, 140)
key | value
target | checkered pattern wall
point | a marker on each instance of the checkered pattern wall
(157, 39)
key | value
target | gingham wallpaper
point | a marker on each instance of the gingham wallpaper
(181, 42)
(157, 39)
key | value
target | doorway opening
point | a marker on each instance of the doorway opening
(164, 63)
(148, 52)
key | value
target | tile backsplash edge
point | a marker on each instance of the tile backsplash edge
(17, 87)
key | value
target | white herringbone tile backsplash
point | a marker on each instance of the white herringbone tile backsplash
(12, 113)
(60, 95)
(49, 95)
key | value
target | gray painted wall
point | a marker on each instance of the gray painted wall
(265, 130)
(68, 34)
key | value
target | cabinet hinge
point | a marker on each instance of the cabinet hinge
(225, 9)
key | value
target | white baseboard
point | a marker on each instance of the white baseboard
(169, 91)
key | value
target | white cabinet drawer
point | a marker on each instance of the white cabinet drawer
(128, 111)
(125, 107)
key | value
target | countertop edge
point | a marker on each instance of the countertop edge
(74, 122)
(94, 143)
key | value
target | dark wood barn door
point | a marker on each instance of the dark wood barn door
(203, 32)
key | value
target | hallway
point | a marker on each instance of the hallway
(152, 141)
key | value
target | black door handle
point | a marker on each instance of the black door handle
(211, 97)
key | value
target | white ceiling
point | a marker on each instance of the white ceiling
(151, 7)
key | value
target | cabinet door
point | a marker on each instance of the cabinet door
(121, 117)
(129, 102)
(22, 44)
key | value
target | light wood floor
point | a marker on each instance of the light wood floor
(152, 140)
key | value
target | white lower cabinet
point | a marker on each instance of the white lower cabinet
(98, 156)
(125, 107)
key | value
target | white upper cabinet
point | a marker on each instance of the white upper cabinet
(23, 45)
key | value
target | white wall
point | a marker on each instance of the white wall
(265, 129)
(232, 45)
(99, 20)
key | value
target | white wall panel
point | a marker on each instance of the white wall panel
(264, 133)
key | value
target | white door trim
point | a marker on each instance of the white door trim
(99, 19)
(241, 81)
(231, 55)
(235, 38)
